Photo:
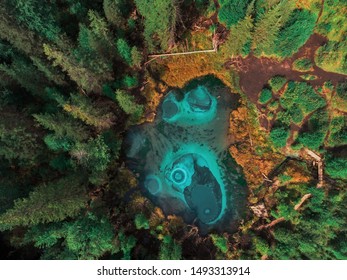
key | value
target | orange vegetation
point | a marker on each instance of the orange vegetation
(306, 4)
(153, 91)
(297, 173)
(181, 69)
(251, 149)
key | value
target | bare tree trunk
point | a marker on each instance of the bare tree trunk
(302, 201)
(273, 223)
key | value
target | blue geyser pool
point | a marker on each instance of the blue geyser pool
(182, 157)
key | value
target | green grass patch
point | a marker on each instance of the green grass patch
(308, 77)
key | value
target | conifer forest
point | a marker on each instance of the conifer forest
(173, 129)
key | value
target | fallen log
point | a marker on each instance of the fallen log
(302, 201)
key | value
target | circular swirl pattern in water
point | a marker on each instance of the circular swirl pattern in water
(179, 175)
(181, 156)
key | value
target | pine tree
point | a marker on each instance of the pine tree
(170, 249)
(115, 12)
(129, 106)
(87, 237)
(39, 18)
(124, 51)
(81, 75)
(81, 107)
(94, 155)
(51, 202)
(160, 22)
(268, 26)
(240, 34)
(18, 140)
(63, 126)
(20, 37)
(25, 74)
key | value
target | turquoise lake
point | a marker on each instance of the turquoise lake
(182, 158)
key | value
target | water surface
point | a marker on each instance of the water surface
(182, 157)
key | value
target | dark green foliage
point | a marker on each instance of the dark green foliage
(141, 222)
(130, 81)
(74, 75)
(302, 96)
(19, 142)
(336, 166)
(305, 239)
(126, 244)
(268, 27)
(160, 22)
(124, 51)
(231, 11)
(170, 249)
(294, 33)
(51, 202)
(19, 36)
(39, 18)
(220, 242)
(63, 126)
(239, 39)
(279, 136)
(265, 96)
(302, 64)
(341, 90)
(116, 11)
(128, 104)
(313, 136)
(21, 69)
(261, 246)
(338, 131)
(82, 108)
(88, 237)
(89, 65)
(277, 82)
(94, 155)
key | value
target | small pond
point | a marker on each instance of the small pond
(182, 158)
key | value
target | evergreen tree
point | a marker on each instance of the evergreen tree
(19, 142)
(129, 106)
(39, 18)
(94, 155)
(63, 126)
(116, 11)
(51, 202)
(170, 249)
(240, 34)
(83, 77)
(268, 26)
(20, 37)
(124, 51)
(88, 237)
(160, 22)
(81, 107)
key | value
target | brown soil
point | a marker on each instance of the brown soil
(255, 72)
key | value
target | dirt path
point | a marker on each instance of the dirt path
(255, 72)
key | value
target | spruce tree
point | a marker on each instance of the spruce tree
(49, 202)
